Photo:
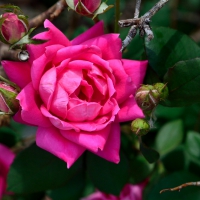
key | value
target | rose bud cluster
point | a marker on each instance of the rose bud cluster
(12, 27)
(8, 102)
(148, 96)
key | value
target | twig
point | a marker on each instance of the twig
(181, 186)
(51, 13)
(137, 9)
(141, 23)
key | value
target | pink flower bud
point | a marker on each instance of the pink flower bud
(84, 7)
(8, 101)
(13, 27)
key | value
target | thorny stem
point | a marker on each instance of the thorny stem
(141, 23)
(181, 186)
(117, 14)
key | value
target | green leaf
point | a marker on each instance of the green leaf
(35, 170)
(183, 83)
(169, 47)
(193, 144)
(169, 136)
(175, 160)
(73, 190)
(173, 180)
(150, 154)
(140, 169)
(107, 176)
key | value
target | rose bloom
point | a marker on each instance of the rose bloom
(6, 158)
(129, 192)
(77, 92)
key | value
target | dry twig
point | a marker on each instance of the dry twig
(141, 23)
(181, 186)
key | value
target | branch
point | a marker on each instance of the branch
(53, 12)
(141, 23)
(181, 186)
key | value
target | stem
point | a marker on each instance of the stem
(53, 12)
(155, 9)
(181, 186)
(117, 14)
(137, 9)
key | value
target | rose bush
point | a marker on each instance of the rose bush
(6, 158)
(129, 192)
(77, 92)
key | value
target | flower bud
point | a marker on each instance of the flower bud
(84, 7)
(140, 127)
(147, 98)
(12, 27)
(162, 90)
(8, 102)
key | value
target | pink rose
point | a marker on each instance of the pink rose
(77, 92)
(6, 158)
(129, 192)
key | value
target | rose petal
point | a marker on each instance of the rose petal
(2, 186)
(95, 31)
(47, 86)
(53, 35)
(70, 80)
(51, 140)
(74, 53)
(135, 69)
(59, 102)
(129, 110)
(6, 157)
(17, 72)
(58, 123)
(124, 85)
(39, 65)
(91, 141)
(105, 43)
(83, 112)
(112, 147)
(30, 111)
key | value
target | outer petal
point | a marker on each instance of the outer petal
(95, 31)
(124, 84)
(6, 157)
(129, 110)
(53, 35)
(111, 149)
(18, 72)
(30, 112)
(135, 69)
(39, 65)
(91, 141)
(2, 186)
(110, 44)
(51, 140)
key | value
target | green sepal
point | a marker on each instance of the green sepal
(102, 8)
(27, 40)
(10, 99)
